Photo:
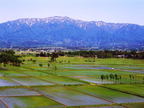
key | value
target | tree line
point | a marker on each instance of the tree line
(96, 54)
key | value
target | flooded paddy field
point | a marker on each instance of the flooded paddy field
(119, 79)
(70, 97)
(91, 79)
(7, 82)
(35, 73)
(29, 81)
(19, 91)
(94, 74)
(62, 80)
(105, 83)
(11, 73)
(108, 94)
(30, 102)
(2, 105)
(102, 67)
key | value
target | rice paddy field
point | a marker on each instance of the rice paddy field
(73, 82)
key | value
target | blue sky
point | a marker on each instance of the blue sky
(118, 11)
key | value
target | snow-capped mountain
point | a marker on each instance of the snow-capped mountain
(64, 31)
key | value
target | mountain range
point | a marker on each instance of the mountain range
(67, 32)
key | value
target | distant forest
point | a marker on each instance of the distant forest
(98, 54)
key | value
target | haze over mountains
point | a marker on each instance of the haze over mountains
(67, 32)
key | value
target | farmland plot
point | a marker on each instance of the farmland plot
(130, 67)
(11, 73)
(89, 67)
(2, 105)
(69, 97)
(82, 72)
(7, 82)
(62, 80)
(93, 80)
(96, 81)
(35, 73)
(17, 92)
(114, 96)
(75, 71)
(125, 79)
(137, 89)
(30, 102)
(29, 81)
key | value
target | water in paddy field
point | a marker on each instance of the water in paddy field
(6, 82)
(2, 105)
(70, 97)
(17, 92)
(98, 81)
(31, 81)
(89, 67)
(104, 67)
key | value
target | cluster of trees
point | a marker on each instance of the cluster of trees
(108, 54)
(132, 77)
(96, 54)
(53, 55)
(119, 77)
(47, 54)
(115, 77)
(9, 57)
(111, 77)
(43, 54)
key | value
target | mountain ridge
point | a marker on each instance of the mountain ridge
(67, 32)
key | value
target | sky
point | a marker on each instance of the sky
(116, 11)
